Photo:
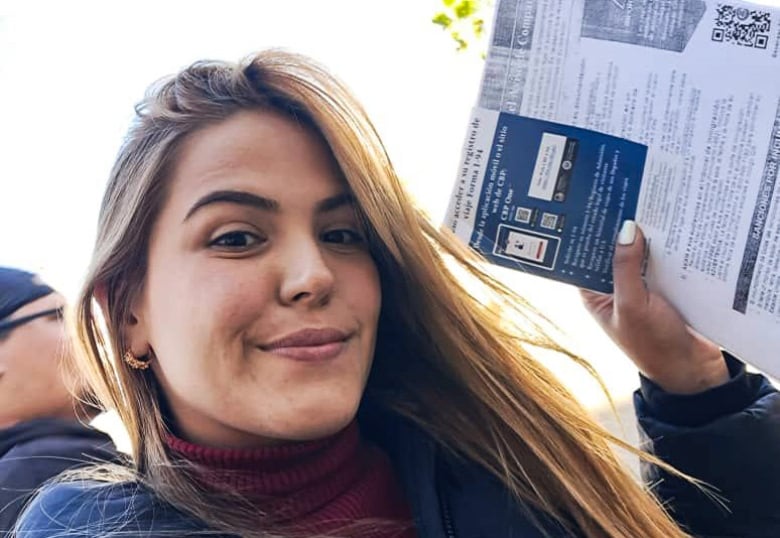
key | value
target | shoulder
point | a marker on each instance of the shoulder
(32, 461)
(57, 438)
(94, 509)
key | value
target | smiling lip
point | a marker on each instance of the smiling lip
(309, 344)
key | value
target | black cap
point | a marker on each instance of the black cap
(18, 288)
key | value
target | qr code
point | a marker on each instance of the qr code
(549, 221)
(524, 214)
(742, 26)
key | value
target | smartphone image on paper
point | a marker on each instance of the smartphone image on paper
(526, 246)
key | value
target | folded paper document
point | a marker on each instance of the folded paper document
(592, 112)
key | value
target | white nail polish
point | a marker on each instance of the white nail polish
(627, 233)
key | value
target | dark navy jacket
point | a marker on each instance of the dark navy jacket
(728, 437)
(34, 451)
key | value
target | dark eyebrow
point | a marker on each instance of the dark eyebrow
(335, 202)
(263, 203)
(234, 197)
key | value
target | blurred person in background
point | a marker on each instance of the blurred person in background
(42, 423)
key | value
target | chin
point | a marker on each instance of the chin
(318, 422)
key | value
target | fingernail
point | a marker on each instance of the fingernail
(627, 233)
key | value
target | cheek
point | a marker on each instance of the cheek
(363, 290)
(34, 362)
(9, 350)
(207, 306)
(235, 298)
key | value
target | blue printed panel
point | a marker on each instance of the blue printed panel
(553, 199)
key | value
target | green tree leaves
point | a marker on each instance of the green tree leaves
(463, 20)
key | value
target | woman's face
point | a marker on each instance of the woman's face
(261, 299)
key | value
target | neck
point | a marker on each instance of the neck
(317, 485)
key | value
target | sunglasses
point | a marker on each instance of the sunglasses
(8, 326)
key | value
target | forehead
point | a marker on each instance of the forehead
(259, 151)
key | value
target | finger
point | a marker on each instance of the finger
(592, 297)
(630, 291)
(598, 304)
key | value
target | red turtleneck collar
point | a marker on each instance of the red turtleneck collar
(319, 486)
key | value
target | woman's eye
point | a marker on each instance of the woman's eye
(343, 237)
(236, 241)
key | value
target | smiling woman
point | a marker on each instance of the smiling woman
(277, 295)
(292, 355)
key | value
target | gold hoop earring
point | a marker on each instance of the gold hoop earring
(134, 362)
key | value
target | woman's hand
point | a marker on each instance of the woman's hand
(649, 330)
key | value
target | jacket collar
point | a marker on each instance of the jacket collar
(450, 497)
(414, 455)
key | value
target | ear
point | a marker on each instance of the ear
(100, 294)
(133, 328)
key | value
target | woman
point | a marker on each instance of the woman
(292, 356)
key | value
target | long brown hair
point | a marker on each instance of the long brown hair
(446, 357)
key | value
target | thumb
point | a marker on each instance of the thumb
(629, 254)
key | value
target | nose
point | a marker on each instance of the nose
(307, 279)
